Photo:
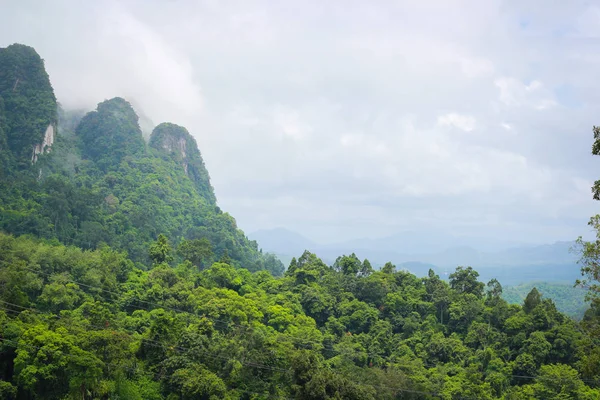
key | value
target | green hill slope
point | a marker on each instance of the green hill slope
(568, 299)
(98, 182)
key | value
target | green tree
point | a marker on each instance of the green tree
(348, 265)
(464, 280)
(533, 299)
(494, 289)
(559, 381)
(388, 268)
(197, 251)
(160, 251)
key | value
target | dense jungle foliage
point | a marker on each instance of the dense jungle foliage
(89, 324)
(120, 278)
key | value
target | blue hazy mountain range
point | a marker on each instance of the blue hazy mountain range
(510, 263)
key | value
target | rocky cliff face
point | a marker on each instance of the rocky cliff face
(29, 106)
(46, 145)
(176, 142)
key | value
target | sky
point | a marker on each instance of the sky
(350, 119)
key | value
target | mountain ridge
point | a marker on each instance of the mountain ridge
(552, 261)
(98, 182)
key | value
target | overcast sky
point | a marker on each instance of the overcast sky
(348, 119)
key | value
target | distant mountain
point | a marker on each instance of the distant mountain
(511, 266)
(418, 268)
(556, 253)
(425, 242)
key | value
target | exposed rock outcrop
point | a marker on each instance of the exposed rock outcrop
(46, 144)
(176, 142)
(30, 108)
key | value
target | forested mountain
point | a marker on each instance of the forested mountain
(121, 278)
(27, 107)
(96, 181)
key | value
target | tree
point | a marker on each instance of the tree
(439, 294)
(590, 251)
(533, 299)
(388, 268)
(464, 280)
(49, 363)
(348, 265)
(197, 251)
(366, 268)
(196, 382)
(225, 259)
(494, 289)
(590, 256)
(160, 251)
(559, 381)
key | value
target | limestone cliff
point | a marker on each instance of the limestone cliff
(28, 103)
(176, 142)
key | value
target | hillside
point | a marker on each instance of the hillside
(98, 182)
(568, 299)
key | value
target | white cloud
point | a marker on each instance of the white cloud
(476, 67)
(463, 122)
(289, 123)
(515, 93)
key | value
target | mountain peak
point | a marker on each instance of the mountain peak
(27, 106)
(111, 133)
(176, 142)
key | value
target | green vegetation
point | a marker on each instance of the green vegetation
(568, 299)
(175, 141)
(100, 183)
(90, 324)
(90, 190)
(120, 278)
(110, 134)
(27, 105)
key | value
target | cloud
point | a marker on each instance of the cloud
(515, 93)
(463, 122)
(344, 122)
